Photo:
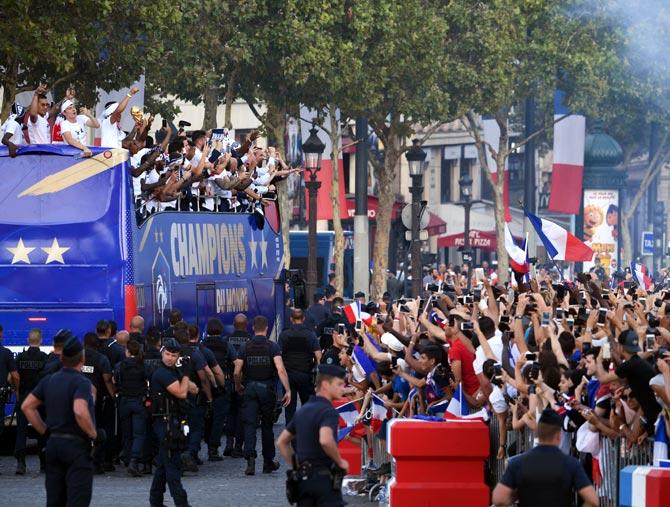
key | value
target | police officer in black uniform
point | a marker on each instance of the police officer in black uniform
(331, 355)
(169, 389)
(53, 362)
(130, 377)
(69, 470)
(234, 429)
(260, 361)
(225, 355)
(29, 364)
(96, 368)
(7, 369)
(194, 367)
(299, 350)
(318, 466)
(152, 361)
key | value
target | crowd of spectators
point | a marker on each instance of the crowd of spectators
(597, 352)
(186, 171)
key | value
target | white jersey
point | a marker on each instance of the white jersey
(39, 132)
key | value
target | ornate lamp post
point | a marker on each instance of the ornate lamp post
(416, 159)
(312, 149)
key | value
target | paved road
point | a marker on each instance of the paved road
(218, 484)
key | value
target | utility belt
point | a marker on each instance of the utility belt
(172, 413)
(306, 471)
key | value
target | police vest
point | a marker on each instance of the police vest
(296, 351)
(132, 378)
(29, 364)
(189, 368)
(219, 348)
(237, 341)
(152, 360)
(92, 371)
(258, 362)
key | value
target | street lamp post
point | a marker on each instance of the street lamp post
(465, 182)
(416, 158)
(312, 149)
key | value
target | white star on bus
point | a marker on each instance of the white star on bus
(55, 252)
(20, 252)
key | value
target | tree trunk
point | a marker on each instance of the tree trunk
(501, 251)
(211, 100)
(380, 252)
(276, 123)
(230, 98)
(338, 251)
(9, 89)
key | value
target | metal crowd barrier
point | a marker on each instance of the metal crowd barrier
(614, 456)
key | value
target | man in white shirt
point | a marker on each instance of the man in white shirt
(39, 130)
(111, 133)
(73, 127)
(485, 328)
(11, 131)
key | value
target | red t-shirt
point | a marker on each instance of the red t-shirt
(459, 352)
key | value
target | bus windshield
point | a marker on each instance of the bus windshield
(35, 192)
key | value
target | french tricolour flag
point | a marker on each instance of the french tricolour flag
(349, 413)
(568, 167)
(639, 272)
(660, 442)
(353, 313)
(458, 408)
(491, 132)
(560, 244)
(518, 256)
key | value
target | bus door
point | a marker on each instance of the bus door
(206, 304)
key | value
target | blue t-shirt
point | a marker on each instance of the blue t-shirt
(162, 378)
(58, 392)
(545, 476)
(210, 359)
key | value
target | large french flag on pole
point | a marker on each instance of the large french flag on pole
(567, 170)
(491, 132)
(560, 244)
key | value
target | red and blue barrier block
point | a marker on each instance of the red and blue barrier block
(644, 486)
(438, 463)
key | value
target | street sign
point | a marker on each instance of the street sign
(406, 217)
(647, 243)
(423, 235)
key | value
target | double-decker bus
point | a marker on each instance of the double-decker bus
(72, 253)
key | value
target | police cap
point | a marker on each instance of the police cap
(62, 336)
(171, 345)
(72, 347)
(550, 417)
(332, 370)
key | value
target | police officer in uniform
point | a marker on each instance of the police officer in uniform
(318, 466)
(234, 428)
(53, 362)
(152, 361)
(169, 389)
(299, 350)
(260, 361)
(70, 428)
(96, 368)
(7, 370)
(194, 368)
(225, 355)
(131, 379)
(29, 364)
(545, 475)
(331, 355)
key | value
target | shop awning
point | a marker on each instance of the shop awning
(436, 225)
(482, 226)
